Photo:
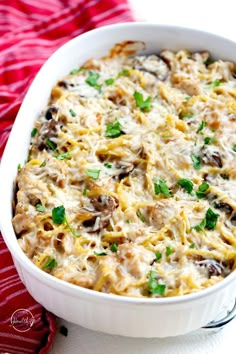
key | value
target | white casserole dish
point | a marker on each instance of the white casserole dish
(136, 317)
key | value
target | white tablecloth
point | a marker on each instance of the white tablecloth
(213, 16)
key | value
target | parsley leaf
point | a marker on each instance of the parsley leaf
(201, 126)
(51, 144)
(158, 256)
(234, 148)
(124, 72)
(140, 215)
(202, 189)
(186, 115)
(100, 254)
(196, 162)
(114, 247)
(108, 165)
(154, 286)
(34, 132)
(215, 83)
(200, 227)
(209, 140)
(85, 191)
(113, 130)
(192, 245)
(50, 263)
(144, 105)
(93, 173)
(76, 71)
(160, 186)
(73, 114)
(92, 80)
(58, 215)
(169, 250)
(211, 219)
(109, 82)
(19, 167)
(40, 208)
(65, 155)
(186, 183)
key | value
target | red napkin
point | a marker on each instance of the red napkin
(30, 31)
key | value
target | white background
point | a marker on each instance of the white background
(209, 15)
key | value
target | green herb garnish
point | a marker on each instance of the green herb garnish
(50, 263)
(59, 217)
(144, 105)
(158, 256)
(211, 219)
(114, 247)
(160, 186)
(215, 83)
(192, 245)
(169, 250)
(140, 215)
(196, 162)
(127, 221)
(201, 126)
(40, 208)
(100, 254)
(187, 98)
(65, 155)
(186, 115)
(93, 173)
(109, 82)
(85, 191)
(186, 183)
(34, 132)
(43, 163)
(72, 113)
(108, 165)
(19, 167)
(234, 148)
(200, 227)
(202, 189)
(76, 71)
(154, 286)
(113, 130)
(124, 72)
(209, 140)
(92, 80)
(51, 144)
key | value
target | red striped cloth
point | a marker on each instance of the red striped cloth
(30, 31)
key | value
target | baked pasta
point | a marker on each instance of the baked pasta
(130, 183)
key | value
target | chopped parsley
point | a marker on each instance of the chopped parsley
(93, 173)
(202, 189)
(113, 130)
(154, 286)
(169, 250)
(196, 162)
(114, 247)
(59, 217)
(100, 254)
(208, 140)
(85, 191)
(158, 256)
(108, 165)
(187, 98)
(19, 167)
(124, 72)
(40, 208)
(109, 82)
(186, 183)
(192, 245)
(160, 186)
(43, 163)
(50, 263)
(215, 83)
(127, 221)
(65, 155)
(76, 71)
(209, 222)
(144, 105)
(234, 148)
(92, 80)
(51, 144)
(201, 126)
(34, 132)
(140, 215)
(186, 115)
(72, 113)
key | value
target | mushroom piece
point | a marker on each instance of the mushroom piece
(151, 64)
(211, 157)
(213, 267)
(100, 213)
(50, 112)
(226, 208)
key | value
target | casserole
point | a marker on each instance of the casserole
(108, 313)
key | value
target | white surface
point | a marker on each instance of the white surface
(217, 17)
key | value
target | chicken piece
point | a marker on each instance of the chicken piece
(160, 214)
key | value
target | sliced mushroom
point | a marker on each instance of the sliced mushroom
(49, 130)
(226, 208)
(211, 157)
(153, 65)
(122, 169)
(213, 267)
(50, 112)
(99, 215)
